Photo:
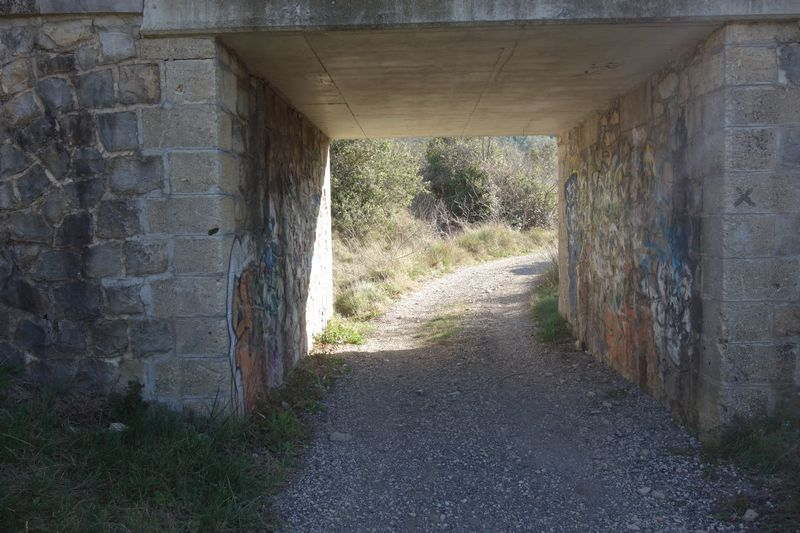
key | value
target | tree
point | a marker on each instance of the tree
(371, 180)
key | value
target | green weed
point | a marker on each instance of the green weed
(62, 469)
(769, 450)
(442, 327)
(343, 331)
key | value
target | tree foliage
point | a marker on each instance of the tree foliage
(371, 180)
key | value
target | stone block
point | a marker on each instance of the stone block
(192, 215)
(32, 337)
(57, 265)
(762, 192)
(786, 320)
(69, 339)
(787, 234)
(56, 158)
(773, 279)
(763, 105)
(124, 300)
(751, 148)
(178, 48)
(104, 260)
(750, 362)
(789, 63)
(96, 89)
(167, 378)
(746, 321)
(228, 90)
(15, 76)
(185, 126)
(119, 131)
(116, 46)
(90, 191)
(28, 227)
(207, 378)
(21, 109)
(191, 81)
(139, 84)
(77, 299)
(76, 230)
(750, 64)
(190, 296)
(201, 336)
(117, 219)
(202, 255)
(32, 185)
(136, 174)
(56, 94)
(7, 197)
(80, 129)
(55, 64)
(145, 258)
(150, 337)
(64, 33)
(763, 32)
(208, 172)
(110, 337)
(12, 160)
(790, 148)
(748, 235)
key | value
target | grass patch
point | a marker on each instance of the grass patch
(62, 469)
(552, 326)
(769, 450)
(442, 327)
(344, 331)
(372, 271)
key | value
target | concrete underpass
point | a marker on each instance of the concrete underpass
(679, 179)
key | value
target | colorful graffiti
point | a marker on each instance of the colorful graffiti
(630, 248)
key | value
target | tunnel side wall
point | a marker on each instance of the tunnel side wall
(164, 216)
(655, 251)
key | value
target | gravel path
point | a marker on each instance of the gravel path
(493, 431)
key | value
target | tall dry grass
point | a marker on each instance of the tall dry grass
(371, 271)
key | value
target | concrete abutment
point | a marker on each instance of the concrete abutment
(165, 208)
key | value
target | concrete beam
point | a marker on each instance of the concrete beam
(193, 16)
(68, 7)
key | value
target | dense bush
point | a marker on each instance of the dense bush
(371, 180)
(459, 173)
(481, 179)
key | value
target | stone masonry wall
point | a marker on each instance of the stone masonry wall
(128, 169)
(644, 191)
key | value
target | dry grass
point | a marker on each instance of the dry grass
(370, 272)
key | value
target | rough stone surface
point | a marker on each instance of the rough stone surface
(666, 277)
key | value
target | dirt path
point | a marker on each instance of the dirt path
(493, 430)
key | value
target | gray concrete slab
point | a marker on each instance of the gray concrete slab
(169, 16)
(491, 80)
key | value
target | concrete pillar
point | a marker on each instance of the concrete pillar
(751, 239)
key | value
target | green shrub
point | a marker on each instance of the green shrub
(551, 325)
(370, 181)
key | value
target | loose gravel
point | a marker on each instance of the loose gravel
(494, 430)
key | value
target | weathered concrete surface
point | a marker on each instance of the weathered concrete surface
(192, 16)
(676, 255)
(69, 7)
(467, 81)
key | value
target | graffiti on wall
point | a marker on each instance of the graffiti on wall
(631, 238)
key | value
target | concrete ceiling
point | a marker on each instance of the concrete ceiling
(514, 80)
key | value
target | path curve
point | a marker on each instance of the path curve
(494, 430)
